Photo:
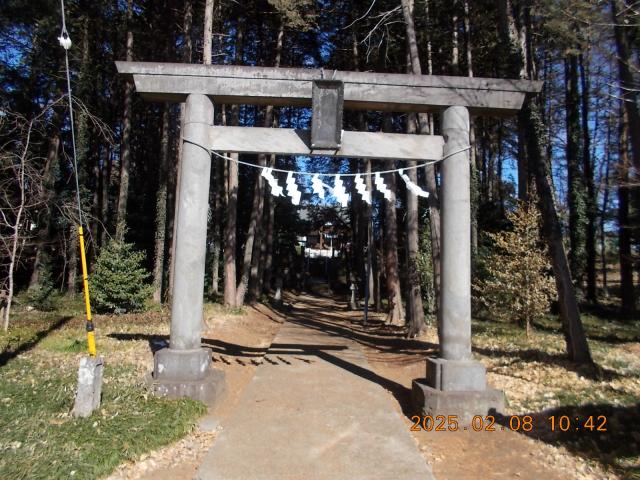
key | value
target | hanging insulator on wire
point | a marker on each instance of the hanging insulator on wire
(65, 40)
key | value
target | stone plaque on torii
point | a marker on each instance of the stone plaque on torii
(455, 384)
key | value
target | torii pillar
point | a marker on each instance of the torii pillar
(184, 369)
(455, 383)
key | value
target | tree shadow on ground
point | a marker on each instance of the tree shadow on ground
(610, 311)
(318, 315)
(399, 391)
(601, 432)
(592, 333)
(283, 351)
(10, 353)
(491, 327)
(158, 342)
(592, 372)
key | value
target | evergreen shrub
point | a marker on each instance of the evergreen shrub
(119, 281)
(517, 284)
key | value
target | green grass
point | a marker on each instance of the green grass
(64, 344)
(41, 440)
(213, 308)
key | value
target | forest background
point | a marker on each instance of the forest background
(574, 151)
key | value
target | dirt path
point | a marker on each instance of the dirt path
(314, 410)
(239, 343)
(396, 361)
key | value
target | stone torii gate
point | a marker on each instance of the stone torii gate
(455, 384)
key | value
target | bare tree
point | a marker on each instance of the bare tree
(21, 187)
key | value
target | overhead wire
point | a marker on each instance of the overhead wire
(324, 174)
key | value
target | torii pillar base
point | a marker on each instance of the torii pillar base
(456, 388)
(187, 373)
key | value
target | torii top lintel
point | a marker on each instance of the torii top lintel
(231, 84)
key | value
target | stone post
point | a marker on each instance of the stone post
(353, 303)
(455, 383)
(184, 369)
(277, 299)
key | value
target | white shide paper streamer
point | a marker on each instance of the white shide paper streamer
(318, 186)
(381, 187)
(361, 188)
(412, 187)
(276, 190)
(339, 192)
(292, 189)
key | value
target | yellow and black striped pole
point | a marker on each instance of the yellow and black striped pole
(91, 339)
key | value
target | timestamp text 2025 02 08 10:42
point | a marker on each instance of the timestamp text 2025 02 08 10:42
(517, 423)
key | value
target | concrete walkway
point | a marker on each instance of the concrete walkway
(311, 413)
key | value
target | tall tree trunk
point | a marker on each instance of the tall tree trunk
(268, 258)
(217, 180)
(72, 255)
(216, 240)
(576, 342)
(104, 201)
(499, 170)
(256, 282)
(260, 246)
(587, 169)
(533, 125)
(455, 44)
(230, 235)
(605, 208)
(256, 215)
(256, 212)
(230, 297)
(125, 146)
(516, 54)
(161, 208)
(628, 87)
(425, 127)
(415, 310)
(207, 47)
(367, 217)
(576, 197)
(630, 126)
(396, 315)
(371, 246)
(475, 197)
(627, 294)
(187, 52)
